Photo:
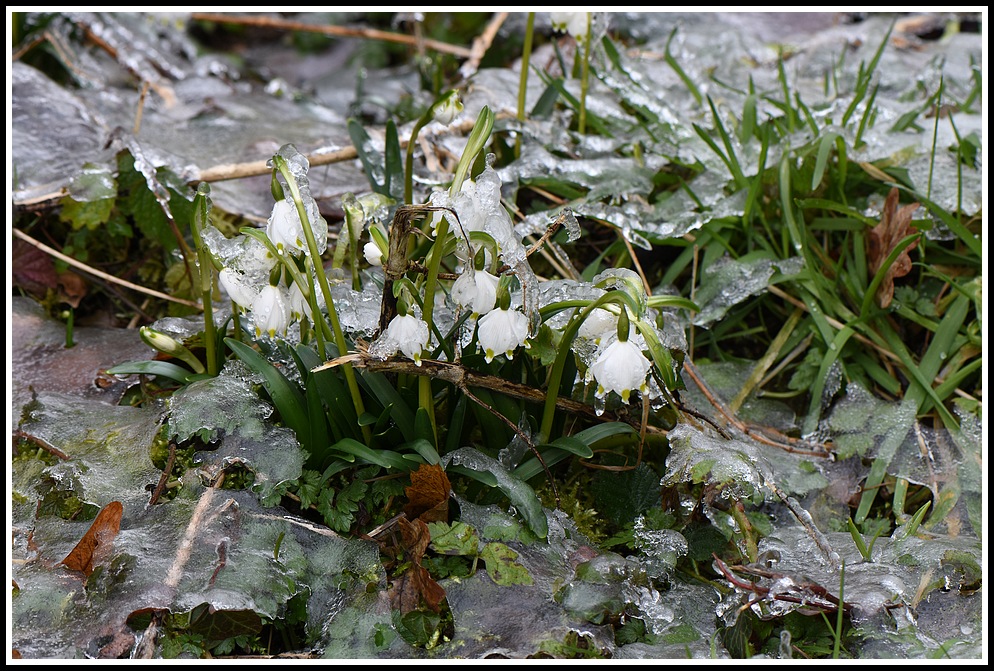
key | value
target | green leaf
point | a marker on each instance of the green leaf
(502, 565)
(520, 494)
(159, 368)
(384, 458)
(457, 538)
(621, 496)
(89, 214)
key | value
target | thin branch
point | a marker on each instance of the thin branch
(481, 44)
(759, 434)
(457, 375)
(336, 31)
(98, 273)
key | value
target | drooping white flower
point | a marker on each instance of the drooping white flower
(406, 333)
(270, 311)
(446, 110)
(477, 291)
(574, 23)
(598, 324)
(297, 302)
(502, 331)
(238, 287)
(620, 367)
(284, 227)
(286, 231)
(373, 253)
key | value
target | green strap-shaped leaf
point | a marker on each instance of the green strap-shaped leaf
(159, 368)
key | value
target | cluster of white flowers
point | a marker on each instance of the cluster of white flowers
(574, 23)
(248, 266)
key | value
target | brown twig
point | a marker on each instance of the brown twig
(40, 442)
(164, 478)
(98, 273)
(759, 434)
(481, 44)
(810, 595)
(336, 31)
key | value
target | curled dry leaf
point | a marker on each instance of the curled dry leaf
(96, 543)
(415, 585)
(428, 495)
(894, 226)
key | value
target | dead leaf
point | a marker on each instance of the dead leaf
(72, 288)
(428, 494)
(894, 226)
(415, 584)
(32, 269)
(97, 541)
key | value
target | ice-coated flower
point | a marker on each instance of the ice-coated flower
(286, 231)
(270, 311)
(406, 333)
(598, 324)
(574, 23)
(284, 227)
(373, 253)
(477, 291)
(239, 288)
(502, 331)
(297, 302)
(620, 367)
(466, 203)
(447, 109)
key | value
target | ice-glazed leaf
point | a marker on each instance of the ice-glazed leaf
(428, 495)
(696, 457)
(457, 538)
(520, 493)
(502, 565)
(96, 544)
(215, 407)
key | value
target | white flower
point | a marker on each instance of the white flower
(270, 311)
(466, 203)
(238, 287)
(284, 228)
(501, 331)
(598, 324)
(574, 23)
(373, 253)
(620, 367)
(297, 303)
(447, 109)
(478, 291)
(286, 231)
(406, 333)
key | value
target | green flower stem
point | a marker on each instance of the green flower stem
(201, 214)
(526, 53)
(409, 161)
(474, 145)
(585, 80)
(322, 281)
(569, 334)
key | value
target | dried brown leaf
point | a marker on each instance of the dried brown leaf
(97, 541)
(415, 585)
(894, 226)
(428, 494)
